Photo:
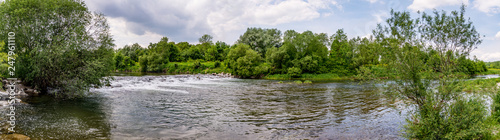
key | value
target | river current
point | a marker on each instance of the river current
(211, 107)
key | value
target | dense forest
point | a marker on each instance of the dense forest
(260, 52)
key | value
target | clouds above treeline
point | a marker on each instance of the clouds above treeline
(187, 20)
(145, 21)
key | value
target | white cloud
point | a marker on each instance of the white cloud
(187, 20)
(497, 35)
(124, 37)
(487, 6)
(431, 4)
(487, 56)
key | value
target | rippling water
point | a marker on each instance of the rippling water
(208, 107)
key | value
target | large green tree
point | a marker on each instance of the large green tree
(60, 44)
(245, 62)
(429, 82)
(261, 39)
(133, 51)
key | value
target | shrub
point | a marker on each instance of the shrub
(294, 72)
(298, 82)
(495, 113)
(307, 82)
(462, 119)
(245, 62)
(217, 64)
(197, 64)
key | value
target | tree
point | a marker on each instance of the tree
(205, 39)
(261, 39)
(133, 51)
(432, 87)
(119, 61)
(167, 50)
(341, 53)
(152, 62)
(48, 30)
(245, 62)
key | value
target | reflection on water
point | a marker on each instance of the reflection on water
(45, 118)
(206, 107)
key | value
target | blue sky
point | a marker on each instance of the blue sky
(145, 21)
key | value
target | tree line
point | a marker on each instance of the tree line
(260, 52)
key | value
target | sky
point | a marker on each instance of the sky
(147, 21)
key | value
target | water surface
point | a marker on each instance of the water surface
(209, 107)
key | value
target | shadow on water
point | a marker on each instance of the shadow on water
(48, 118)
(207, 107)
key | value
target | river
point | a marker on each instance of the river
(210, 107)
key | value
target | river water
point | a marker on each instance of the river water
(210, 107)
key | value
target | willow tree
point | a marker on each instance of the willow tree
(441, 110)
(61, 46)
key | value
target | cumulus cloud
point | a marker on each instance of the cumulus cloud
(188, 20)
(431, 4)
(497, 35)
(487, 56)
(487, 6)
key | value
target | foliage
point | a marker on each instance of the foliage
(307, 82)
(260, 39)
(3, 62)
(197, 64)
(427, 81)
(294, 72)
(245, 62)
(217, 64)
(463, 119)
(49, 30)
(494, 65)
(495, 112)
(132, 51)
(206, 39)
(341, 52)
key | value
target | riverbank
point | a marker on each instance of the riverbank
(313, 77)
(174, 68)
(194, 67)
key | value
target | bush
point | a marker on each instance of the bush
(463, 119)
(197, 65)
(495, 113)
(308, 82)
(294, 72)
(298, 82)
(217, 64)
(245, 62)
